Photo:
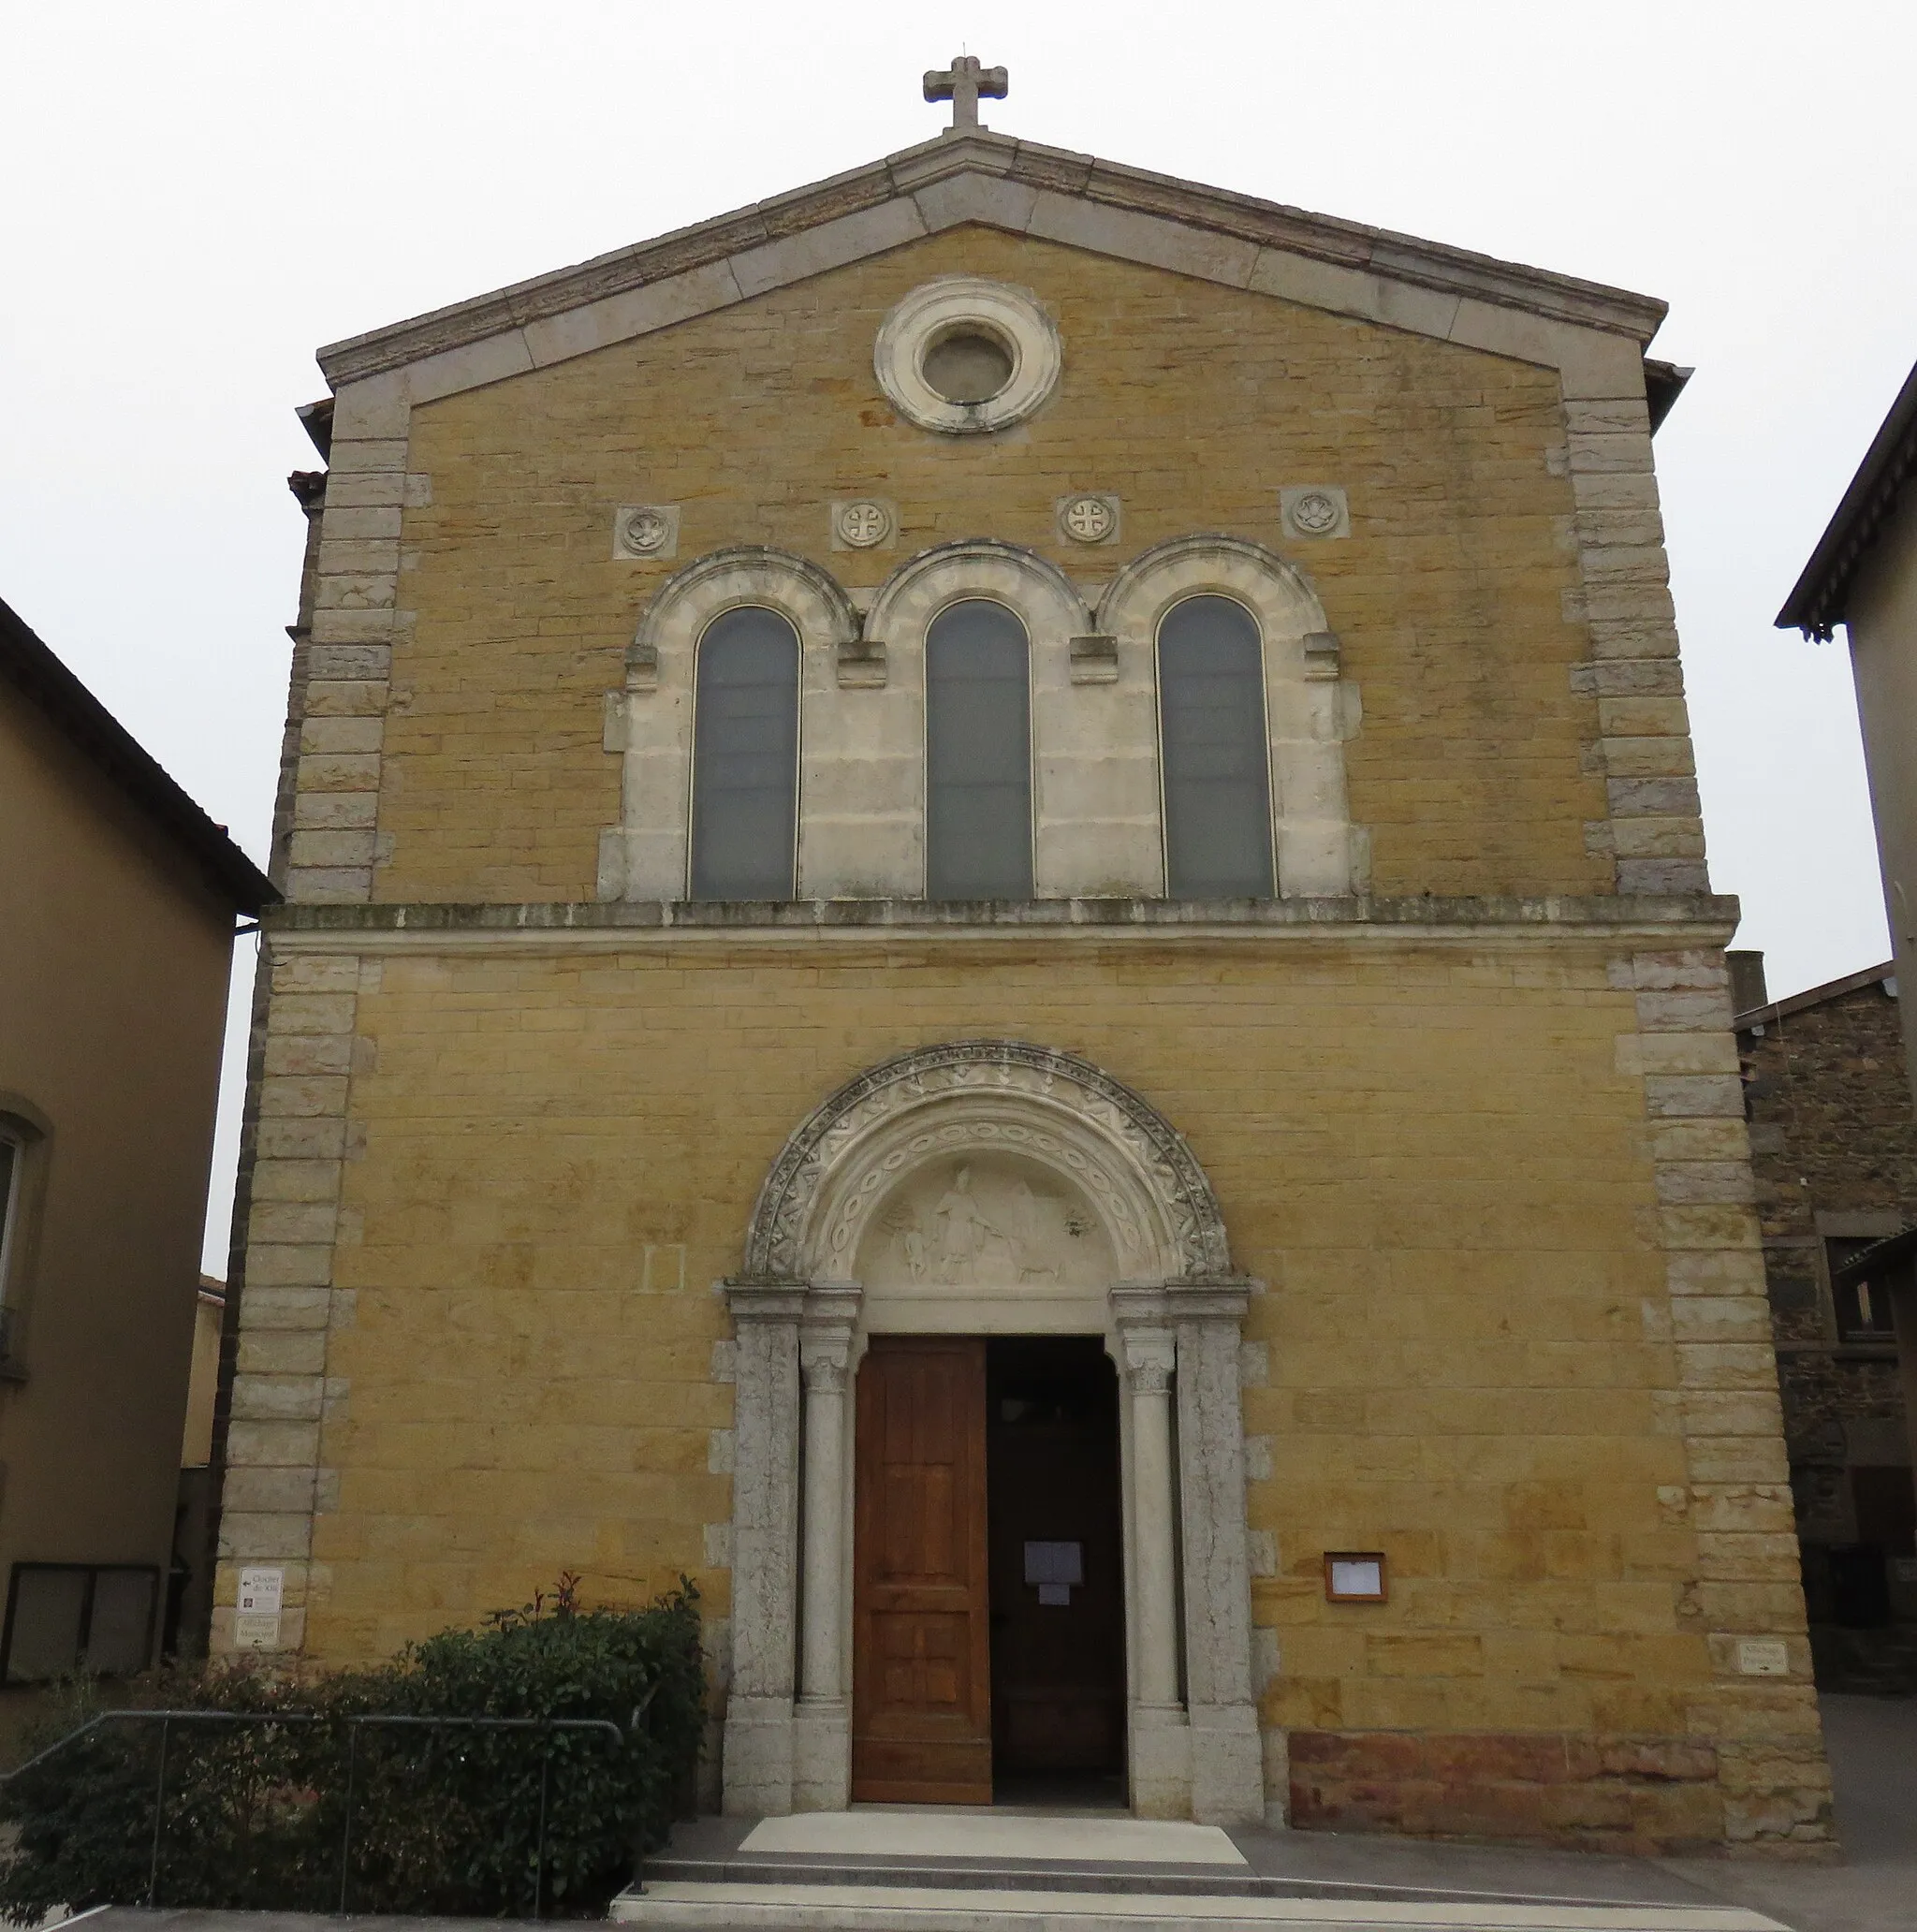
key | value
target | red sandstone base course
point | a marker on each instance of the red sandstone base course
(1605, 1793)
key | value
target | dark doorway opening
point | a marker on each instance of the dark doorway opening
(1057, 1570)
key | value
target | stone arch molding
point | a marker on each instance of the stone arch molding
(1309, 709)
(1043, 595)
(1052, 1107)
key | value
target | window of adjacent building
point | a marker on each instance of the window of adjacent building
(745, 758)
(977, 754)
(1214, 754)
(66, 1617)
(1863, 1306)
(11, 1164)
(13, 1159)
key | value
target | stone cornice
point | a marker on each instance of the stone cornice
(1130, 190)
(617, 925)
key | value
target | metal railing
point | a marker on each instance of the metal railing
(166, 1719)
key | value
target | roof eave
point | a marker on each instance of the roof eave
(1818, 600)
(1812, 996)
(34, 670)
(1242, 218)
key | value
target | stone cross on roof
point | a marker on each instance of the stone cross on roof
(961, 84)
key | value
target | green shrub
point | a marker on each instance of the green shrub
(443, 1822)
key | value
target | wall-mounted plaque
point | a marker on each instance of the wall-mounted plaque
(1354, 1577)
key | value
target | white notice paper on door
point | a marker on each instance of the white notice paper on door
(1054, 1562)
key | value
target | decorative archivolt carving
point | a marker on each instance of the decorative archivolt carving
(1131, 1164)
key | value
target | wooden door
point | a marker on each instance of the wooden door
(921, 1699)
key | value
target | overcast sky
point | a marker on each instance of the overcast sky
(194, 196)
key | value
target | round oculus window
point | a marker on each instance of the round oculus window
(962, 355)
(967, 366)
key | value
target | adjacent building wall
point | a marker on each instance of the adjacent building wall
(1834, 1148)
(112, 1006)
(1881, 623)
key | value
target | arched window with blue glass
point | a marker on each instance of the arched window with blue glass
(745, 758)
(1214, 755)
(977, 754)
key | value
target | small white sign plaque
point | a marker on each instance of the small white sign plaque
(262, 1590)
(256, 1631)
(1764, 1656)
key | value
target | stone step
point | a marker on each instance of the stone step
(670, 1904)
(1153, 1880)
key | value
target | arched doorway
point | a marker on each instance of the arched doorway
(974, 1193)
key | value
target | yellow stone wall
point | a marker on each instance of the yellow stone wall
(1192, 401)
(1429, 1156)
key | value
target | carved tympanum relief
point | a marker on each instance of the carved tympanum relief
(984, 1219)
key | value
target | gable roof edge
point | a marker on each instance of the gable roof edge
(1244, 218)
(42, 678)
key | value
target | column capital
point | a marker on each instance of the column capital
(825, 1335)
(1149, 1354)
(824, 1360)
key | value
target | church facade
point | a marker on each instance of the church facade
(998, 936)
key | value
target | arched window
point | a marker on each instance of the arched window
(977, 754)
(1216, 766)
(745, 758)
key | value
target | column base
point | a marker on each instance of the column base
(1161, 1754)
(1227, 1766)
(821, 1755)
(758, 1756)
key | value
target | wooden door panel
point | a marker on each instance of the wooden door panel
(921, 1720)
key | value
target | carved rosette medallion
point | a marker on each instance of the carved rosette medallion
(648, 532)
(1114, 1143)
(1314, 510)
(1088, 518)
(863, 523)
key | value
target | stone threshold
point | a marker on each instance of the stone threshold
(1678, 919)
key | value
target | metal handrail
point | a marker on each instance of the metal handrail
(354, 1723)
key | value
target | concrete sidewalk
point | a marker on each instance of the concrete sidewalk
(1873, 1752)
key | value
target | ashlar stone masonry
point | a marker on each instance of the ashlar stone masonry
(1405, 1193)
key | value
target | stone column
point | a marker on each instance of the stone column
(765, 1550)
(1227, 1760)
(822, 1740)
(1160, 1743)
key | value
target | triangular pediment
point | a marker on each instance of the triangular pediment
(1078, 200)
